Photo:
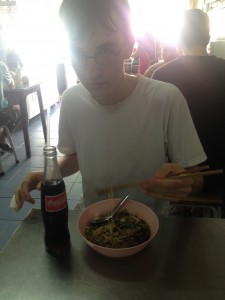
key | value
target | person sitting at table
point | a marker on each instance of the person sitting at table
(115, 127)
(169, 52)
(9, 115)
(13, 60)
(200, 78)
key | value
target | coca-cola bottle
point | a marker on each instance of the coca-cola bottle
(54, 205)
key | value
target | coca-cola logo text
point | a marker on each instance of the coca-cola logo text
(55, 203)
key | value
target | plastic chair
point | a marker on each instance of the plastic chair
(11, 144)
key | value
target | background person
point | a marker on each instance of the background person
(115, 127)
(200, 78)
(169, 52)
(5, 79)
(13, 60)
(14, 64)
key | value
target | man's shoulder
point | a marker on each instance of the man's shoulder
(216, 58)
(162, 90)
(150, 84)
(170, 65)
(152, 68)
(75, 90)
(217, 61)
(181, 64)
(72, 96)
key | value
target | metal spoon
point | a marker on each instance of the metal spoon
(103, 219)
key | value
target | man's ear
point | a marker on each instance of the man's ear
(129, 46)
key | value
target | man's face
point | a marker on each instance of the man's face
(98, 62)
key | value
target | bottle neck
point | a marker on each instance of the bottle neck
(52, 173)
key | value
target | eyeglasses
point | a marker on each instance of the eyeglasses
(106, 56)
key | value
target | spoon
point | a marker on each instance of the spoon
(103, 219)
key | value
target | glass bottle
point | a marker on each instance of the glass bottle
(54, 205)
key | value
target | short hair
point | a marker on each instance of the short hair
(195, 30)
(80, 16)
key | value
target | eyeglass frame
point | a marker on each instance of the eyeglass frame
(95, 57)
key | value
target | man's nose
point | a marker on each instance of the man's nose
(92, 68)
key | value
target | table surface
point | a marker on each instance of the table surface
(19, 85)
(186, 260)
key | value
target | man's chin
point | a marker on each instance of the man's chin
(100, 95)
(103, 99)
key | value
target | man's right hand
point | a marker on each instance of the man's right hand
(31, 182)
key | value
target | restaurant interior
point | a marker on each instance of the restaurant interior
(33, 29)
(25, 26)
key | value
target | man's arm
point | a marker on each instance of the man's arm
(68, 165)
(172, 189)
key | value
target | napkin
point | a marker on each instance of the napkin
(13, 204)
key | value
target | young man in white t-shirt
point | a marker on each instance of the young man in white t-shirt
(117, 128)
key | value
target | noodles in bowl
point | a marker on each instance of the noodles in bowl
(125, 230)
(131, 230)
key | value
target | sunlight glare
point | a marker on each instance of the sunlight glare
(162, 18)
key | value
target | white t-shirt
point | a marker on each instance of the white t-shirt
(5, 78)
(129, 141)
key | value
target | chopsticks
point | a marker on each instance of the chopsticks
(187, 173)
(190, 171)
(117, 187)
(207, 173)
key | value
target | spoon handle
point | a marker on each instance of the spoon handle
(119, 205)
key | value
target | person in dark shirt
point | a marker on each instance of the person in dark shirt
(200, 77)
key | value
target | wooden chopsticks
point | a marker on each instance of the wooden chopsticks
(195, 172)
(119, 187)
(187, 173)
(190, 171)
(207, 173)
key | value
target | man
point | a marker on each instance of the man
(117, 128)
(200, 78)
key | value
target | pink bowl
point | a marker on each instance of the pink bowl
(102, 207)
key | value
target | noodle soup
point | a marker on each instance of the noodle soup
(124, 230)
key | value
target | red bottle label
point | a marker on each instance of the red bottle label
(56, 203)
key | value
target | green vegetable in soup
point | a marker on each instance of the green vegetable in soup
(123, 231)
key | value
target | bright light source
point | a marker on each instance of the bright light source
(217, 23)
(161, 17)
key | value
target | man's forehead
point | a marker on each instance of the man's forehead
(96, 38)
(98, 28)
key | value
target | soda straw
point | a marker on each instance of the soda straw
(48, 126)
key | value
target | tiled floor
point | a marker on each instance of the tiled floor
(14, 173)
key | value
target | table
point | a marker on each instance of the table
(20, 93)
(186, 260)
